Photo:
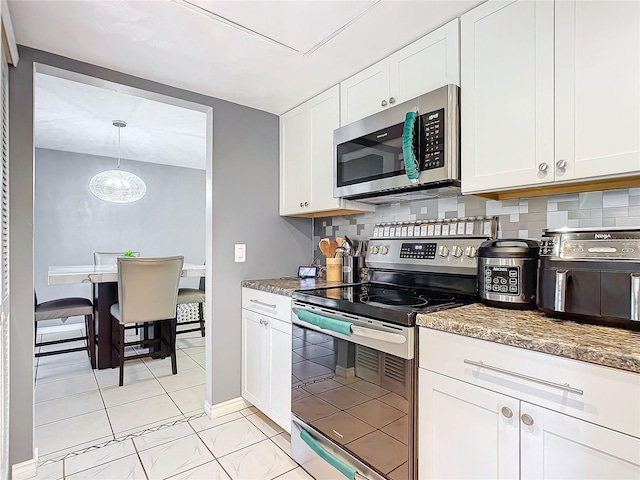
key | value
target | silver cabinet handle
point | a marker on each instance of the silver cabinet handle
(392, 100)
(306, 204)
(383, 103)
(506, 411)
(262, 304)
(261, 322)
(565, 387)
(526, 419)
(635, 297)
(561, 164)
(542, 168)
(560, 296)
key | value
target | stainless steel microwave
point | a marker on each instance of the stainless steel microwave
(369, 159)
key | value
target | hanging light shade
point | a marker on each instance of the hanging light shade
(118, 186)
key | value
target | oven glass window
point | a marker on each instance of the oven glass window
(356, 396)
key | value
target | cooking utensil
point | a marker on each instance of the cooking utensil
(332, 248)
(325, 245)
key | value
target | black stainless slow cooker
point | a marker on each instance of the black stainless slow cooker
(508, 273)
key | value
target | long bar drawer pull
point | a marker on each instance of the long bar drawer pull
(561, 386)
(262, 304)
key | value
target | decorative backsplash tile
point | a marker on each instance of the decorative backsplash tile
(518, 218)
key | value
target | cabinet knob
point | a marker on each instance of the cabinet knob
(526, 419)
(301, 204)
(506, 411)
(306, 204)
(543, 167)
(561, 166)
(261, 322)
(392, 100)
(384, 103)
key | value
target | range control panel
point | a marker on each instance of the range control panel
(418, 250)
(503, 280)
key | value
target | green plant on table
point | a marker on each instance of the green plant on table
(128, 253)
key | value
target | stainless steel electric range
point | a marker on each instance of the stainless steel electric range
(354, 356)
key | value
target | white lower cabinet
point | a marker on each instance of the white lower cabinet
(469, 431)
(266, 360)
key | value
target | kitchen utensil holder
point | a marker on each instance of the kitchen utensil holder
(350, 269)
(334, 269)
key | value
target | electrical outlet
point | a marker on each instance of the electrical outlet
(241, 253)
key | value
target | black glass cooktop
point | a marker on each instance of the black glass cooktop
(382, 302)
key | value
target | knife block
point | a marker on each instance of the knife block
(334, 269)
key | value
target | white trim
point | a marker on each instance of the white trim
(26, 469)
(230, 406)
(12, 54)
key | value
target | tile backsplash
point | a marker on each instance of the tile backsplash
(522, 218)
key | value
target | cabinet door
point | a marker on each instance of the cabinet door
(597, 88)
(563, 447)
(507, 95)
(427, 64)
(463, 432)
(324, 118)
(280, 373)
(254, 356)
(365, 93)
(295, 161)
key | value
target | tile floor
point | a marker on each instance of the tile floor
(151, 428)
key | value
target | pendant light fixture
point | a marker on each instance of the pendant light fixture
(118, 186)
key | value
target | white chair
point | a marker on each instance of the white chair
(147, 292)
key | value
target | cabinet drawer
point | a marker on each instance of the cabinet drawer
(276, 306)
(610, 397)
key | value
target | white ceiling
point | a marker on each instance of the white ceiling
(270, 55)
(76, 117)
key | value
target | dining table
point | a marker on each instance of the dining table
(104, 279)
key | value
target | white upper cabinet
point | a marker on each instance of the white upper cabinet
(506, 95)
(424, 65)
(550, 92)
(597, 88)
(307, 159)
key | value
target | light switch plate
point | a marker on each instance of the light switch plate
(241, 253)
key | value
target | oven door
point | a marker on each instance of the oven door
(352, 396)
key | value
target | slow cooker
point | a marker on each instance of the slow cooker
(508, 273)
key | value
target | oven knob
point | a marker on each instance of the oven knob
(470, 251)
(374, 249)
(443, 251)
(456, 251)
(384, 250)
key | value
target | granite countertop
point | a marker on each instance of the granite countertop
(287, 285)
(531, 329)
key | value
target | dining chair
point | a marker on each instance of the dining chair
(110, 258)
(63, 308)
(147, 292)
(193, 296)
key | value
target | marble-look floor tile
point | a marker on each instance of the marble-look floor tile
(190, 399)
(99, 456)
(203, 423)
(262, 460)
(133, 371)
(175, 457)
(137, 414)
(54, 372)
(64, 388)
(162, 366)
(162, 435)
(63, 358)
(295, 474)
(59, 455)
(66, 407)
(186, 379)
(283, 441)
(200, 359)
(248, 411)
(131, 391)
(49, 471)
(232, 436)
(185, 342)
(60, 435)
(208, 471)
(265, 424)
(121, 469)
(194, 350)
(368, 388)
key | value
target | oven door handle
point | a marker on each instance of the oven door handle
(332, 460)
(377, 334)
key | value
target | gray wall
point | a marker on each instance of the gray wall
(245, 210)
(71, 223)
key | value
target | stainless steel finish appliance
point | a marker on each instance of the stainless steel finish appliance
(591, 274)
(369, 159)
(354, 357)
(508, 273)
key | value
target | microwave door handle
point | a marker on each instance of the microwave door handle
(635, 297)
(560, 290)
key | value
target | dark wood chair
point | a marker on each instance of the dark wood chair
(147, 292)
(63, 308)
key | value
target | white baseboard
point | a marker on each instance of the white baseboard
(26, 469)
(224, 408)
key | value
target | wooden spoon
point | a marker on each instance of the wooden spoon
(332, 249)
(325, 245)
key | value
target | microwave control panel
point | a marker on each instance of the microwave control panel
(433, 124)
